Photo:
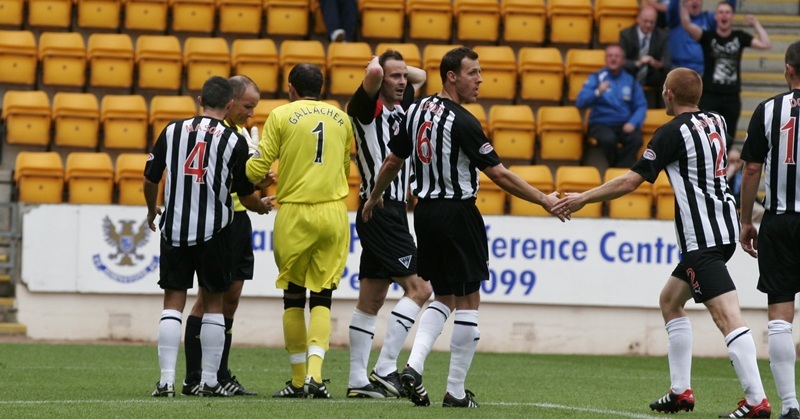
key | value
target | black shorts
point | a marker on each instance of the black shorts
(778, 260)
(242, 261)
(211, 261)
(706, 272)
(452, 246)
(388, 249)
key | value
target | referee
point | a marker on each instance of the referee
(772, 140)
(204, 162)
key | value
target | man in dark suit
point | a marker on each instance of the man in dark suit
(646, 54)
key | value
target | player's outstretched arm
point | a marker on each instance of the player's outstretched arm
(612, 189)
(514, 185)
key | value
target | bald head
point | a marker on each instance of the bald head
(647, 19)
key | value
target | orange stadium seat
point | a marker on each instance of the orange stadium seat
(653, 120)
(63, 59)
(476, 109)
(49, 13)
(129, 178)
(430, 19)
(287, 17)
(637, 204)
(164, 109)
(354, 184)
(124, 119)
(12, 15)
(262, 111)
(579, 64)
(541, 73)
(159, 61)
(195, 16)
(90, 178)
(27, 117)
(477, 20)
(382, 19)
(18, 57)
(570, 21)
(560, 131)
(513, 131)
(499, 72)
(491, 198)
(580, 179)
(146, 15)
(316, 16)
(612, 16)
(431, 60)
(98, 14)
(296, 52)
(409, 51)
(76, 118)
(665, 197)
(203, 58)
(524, 21)
(345, 64)
(39, 177)
(540, 177)
(110, 59)
(240, 16)
(257, 59)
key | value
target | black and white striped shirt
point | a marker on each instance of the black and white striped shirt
(204, 161)
(691, 149)
(448, 148)
(375, 126)
(772, 139)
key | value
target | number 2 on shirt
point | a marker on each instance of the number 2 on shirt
(193, 166)
(719, 164)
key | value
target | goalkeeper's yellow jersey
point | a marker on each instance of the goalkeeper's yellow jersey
(312, 140)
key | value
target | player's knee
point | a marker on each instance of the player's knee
(418, 290)
(320, 299)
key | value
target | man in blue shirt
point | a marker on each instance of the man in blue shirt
(618, 108)
(683, 49)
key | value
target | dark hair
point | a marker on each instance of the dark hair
(240, 83)
(390, 54)
(216, 92)
(452, 60)
(793, 57)
(307, 80)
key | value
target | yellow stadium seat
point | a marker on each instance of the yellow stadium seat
(196, 16)
(76, 118)
(499, 72)
(540, 177)
(560, 131)
(476, 109)
(110, 59)
(409, 51)
(257, 59)
(296, 52)
(262, 111)
(477, 20)
(333, 102)
(665, 197)
(63, 59)
(27, 117)
(203, 58)
(39, 177)
(159, 61)
(164, 109)
(491, 198)
(90, 178)
(383, 19)
(345, 63)
(49, 13)
(430, 19)
(580, 179)
(431, 61)
(318, 21)
(146, 15)
(579, 64)
(637, 204)
(354, 183)
(18, 57)
(570, 21)
(11, 15)
(541, 73)
(653, 120)
(240, 16)
(524, 21)
(98, 14)
(513, 131)
(612, 16)
(287, 17)
(124, 119)
(129, 178)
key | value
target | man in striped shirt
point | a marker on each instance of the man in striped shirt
(691, 149)
(449, 148)
(772, 140)
(204, 163)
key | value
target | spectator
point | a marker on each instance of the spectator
(646, 54)
(683, 50)
(661, 8)
(617, 107)
(341, 17)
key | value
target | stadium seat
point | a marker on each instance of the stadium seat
(76, 119)
(477, 20)
(159, 61)
(579, 64)
(431, 60)
(382, 19)
(333, 102)
(541, 73)
(27, 117)
(296, 52)
(257, 59)
(524, 21)
(560, 131)
(203, 58)
(124, 119)
(195, 16)
(665, 197)
(499, 72)
(430, 20)
(354, 183)
(570, 21)
(316, 17)
(18, 57)
(63, 59)
(580, 179)
(491, 198)
(129, 178)
(12, 15)
(653, 120)
(90, 178)
(612, 16)
(39, 177)
(637, 204)
(540, 177)
(345, 64)
(110, 59)
(146, 15)
(262, 111)
(98, 14)
(287, 17)
(164, 109)
(513, 131)
(409, 51)
(476, 109)
(240, 16)
(49, 13)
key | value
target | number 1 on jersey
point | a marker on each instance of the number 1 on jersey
(320, 131)
(788, 130)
